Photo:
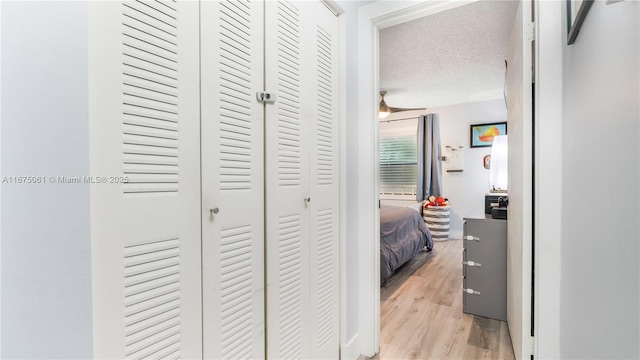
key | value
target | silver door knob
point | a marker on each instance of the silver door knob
(214, 211)
(307, 200)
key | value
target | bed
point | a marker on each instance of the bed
(403, 234)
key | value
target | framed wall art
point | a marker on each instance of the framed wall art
(482, 134)
(576, 13)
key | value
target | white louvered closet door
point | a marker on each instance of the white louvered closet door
(287, 184)
(144, 125)
(232, 179)
(301, 181)
(324, 186)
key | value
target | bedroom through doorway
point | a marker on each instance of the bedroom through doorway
(444, 72)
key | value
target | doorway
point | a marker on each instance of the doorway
(375, 17)
(454, 66)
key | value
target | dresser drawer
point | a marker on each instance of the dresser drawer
(485, 268)
(489, 298)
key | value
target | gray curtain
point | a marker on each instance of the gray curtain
(429, 157)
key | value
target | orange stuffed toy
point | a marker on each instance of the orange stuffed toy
(436, 201)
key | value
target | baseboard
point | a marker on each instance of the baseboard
(350, 350)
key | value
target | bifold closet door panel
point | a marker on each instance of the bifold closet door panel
(232, 179)
(324, 185)
(145, 195)
(288, 121)
(302, 181)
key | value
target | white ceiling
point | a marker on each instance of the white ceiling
(451, 57)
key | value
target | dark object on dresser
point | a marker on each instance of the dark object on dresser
(491, 201)
(499, 213)
(496, 205)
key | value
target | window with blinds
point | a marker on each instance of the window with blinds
(398, 158)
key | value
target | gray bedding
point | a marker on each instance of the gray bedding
(403, 234)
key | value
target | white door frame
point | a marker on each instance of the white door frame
(548, 63)
(371, 19)
(548, 59)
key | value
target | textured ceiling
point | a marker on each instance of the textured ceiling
(451, 57)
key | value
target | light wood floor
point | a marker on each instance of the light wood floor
(421, 313)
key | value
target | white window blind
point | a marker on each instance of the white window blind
(398, 158)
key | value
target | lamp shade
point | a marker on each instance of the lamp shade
(499, 173)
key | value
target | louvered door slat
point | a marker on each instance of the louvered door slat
(150, 79)
(143, 65)
(232, 168)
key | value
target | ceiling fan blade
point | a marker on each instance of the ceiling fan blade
(394, 109)
(385, 110)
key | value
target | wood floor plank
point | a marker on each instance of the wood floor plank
(485, 333)
(421, 313)
(505, 349)
(454, 349)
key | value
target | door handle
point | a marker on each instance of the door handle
(307, 200)
(214, 211)
(472, 238)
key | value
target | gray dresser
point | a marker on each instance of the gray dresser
(484, 268)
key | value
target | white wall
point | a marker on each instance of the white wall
(46, 255)
(351, 14)
(1, 176)
(466, 190)
(548, 181)
(600, 304)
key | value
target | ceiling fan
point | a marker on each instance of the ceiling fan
(386, 110)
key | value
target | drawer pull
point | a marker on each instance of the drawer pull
(471, 263)
(472, 238)
(471, 291)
